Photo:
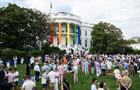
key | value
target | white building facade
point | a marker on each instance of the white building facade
(72, 34)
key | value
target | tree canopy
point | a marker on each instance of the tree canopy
(23, 27)
(108, 39)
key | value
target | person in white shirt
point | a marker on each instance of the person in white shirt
(28, 84)
(56, 80)
(16, 78)
(11, 77)
(37, 71)
(15, 61)
(32, 61)
(117, 75)
(22, 60)
(52, 78)
(77, 61)
(94, 82)
(109, 65)
(44, 80)
(8, 65)
(75, 75)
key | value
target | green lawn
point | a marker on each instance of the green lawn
(85, 80)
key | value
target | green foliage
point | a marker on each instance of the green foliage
(131, 41)
(13, 21)
(0, 52)
(47, 49)
(10, 53)
(23, 27)
(136, 51)
(36, 53)
(55, 50)
(52, 50)
(108, 39)
(40, 25)
(62, 52)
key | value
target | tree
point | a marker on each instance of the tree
(108, 39)
(13, 23)
(23, 27)
(40, 27)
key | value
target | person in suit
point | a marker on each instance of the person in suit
(3, 73)
(4, 85)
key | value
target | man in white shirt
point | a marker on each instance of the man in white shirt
(109, 65)
(94, 82)
(8, 65)
(11, 76)
(37, 71)
(56, 79)
(52, 78)
(32, 61)
(117, 76)
(15, 61)
(16, 78)
(28, 84)
(77, 61)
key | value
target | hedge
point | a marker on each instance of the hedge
(10, 53)
(36, 53)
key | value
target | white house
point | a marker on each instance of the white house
(72, 34)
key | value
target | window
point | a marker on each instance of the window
(90, 43)
(66, 41)
(85, 43)
(57, 28)
(62, 28)
(72, 28)
(66, 28)
(85, 33)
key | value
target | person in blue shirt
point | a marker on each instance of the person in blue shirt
(50, 66)
(86, 67)
(103, 67)
(44, 67)
(126, 65)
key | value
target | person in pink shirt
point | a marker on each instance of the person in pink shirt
(60, 71)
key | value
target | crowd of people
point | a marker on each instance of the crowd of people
(54, 71)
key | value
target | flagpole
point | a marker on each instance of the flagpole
(51, 24)
(50, 8)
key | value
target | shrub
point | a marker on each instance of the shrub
(20, 53)
(0, 52)
(137, 51)
(62, 52)
(8, 53)
(36, 53)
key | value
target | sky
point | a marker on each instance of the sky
(124, 14)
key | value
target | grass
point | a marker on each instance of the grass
(84, 80)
